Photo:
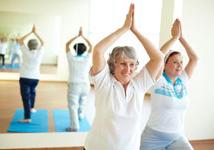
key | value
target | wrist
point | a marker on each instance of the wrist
(181, 38)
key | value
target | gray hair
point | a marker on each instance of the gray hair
(32, 44)
(120, 52)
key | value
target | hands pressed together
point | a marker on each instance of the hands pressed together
(130, 21)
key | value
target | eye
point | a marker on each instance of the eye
(132, 65)
(175, 62)
(122, 64)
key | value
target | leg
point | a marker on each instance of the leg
(25, 94)
(3, 60)
(82, 102)
(73, 105)
(180, 144)
(13, 57)
(33, 85)
(19, 60)
(83, 99)
(154, 140)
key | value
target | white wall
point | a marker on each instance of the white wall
(198, 26)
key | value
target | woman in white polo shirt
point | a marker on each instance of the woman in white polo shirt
(165, 128)
(119, 95)
(29, 72)
(78, 83)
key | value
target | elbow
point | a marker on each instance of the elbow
(195, 59)
(160, 58)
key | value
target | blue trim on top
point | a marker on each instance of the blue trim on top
(178, 89)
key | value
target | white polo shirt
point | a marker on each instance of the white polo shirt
(117, 123)
(79, 67)
(30, 67)
(168, 104)
(3, 48)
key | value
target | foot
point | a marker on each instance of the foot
(25, 121)
(69, 129)
(33, 110)
(81, 116)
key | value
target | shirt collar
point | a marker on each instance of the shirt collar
(169, 80)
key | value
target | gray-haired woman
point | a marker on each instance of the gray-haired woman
(29, 72)
(119, 95)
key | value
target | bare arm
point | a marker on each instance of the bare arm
(156, 57)
(89, 44)
(175, 33)
(40, 39)
(193, 58)
(87, 41)
(100, 49)
(21, 40)
(67, 49)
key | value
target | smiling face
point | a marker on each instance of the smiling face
(174, 65)
(122, 63)
(124, 68)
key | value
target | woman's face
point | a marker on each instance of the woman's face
(124, 68)
(174, 65)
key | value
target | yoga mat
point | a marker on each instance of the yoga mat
(62, 121)
(9, 66)
(39, 122)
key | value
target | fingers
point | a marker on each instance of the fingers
(131, 9)
(129, 17)
(33, 28)
(80, 31)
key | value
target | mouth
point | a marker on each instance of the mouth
(178, 69)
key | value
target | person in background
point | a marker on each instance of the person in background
(119, 95)
(15, 51)
(79, 64)
(3, 49)
(30, 71)
(169, 98)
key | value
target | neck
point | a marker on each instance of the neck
(171, 77)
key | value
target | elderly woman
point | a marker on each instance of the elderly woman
(29, 72)
(165, 128)
(119, 95)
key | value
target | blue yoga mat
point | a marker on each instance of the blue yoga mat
(39, 122)
(9, 66)
(62, 121)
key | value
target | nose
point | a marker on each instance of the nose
(180, 64)
(127, 69)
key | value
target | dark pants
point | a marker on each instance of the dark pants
(3, 59)
(28, 93)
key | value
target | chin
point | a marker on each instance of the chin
(178, 73)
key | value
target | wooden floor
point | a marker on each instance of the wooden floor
(50, 95)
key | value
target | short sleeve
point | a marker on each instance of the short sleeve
(100, 78)
(144, 80)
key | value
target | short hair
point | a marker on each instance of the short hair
(120, 52)
(32, 44)
(80, 48)
(170, 54)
